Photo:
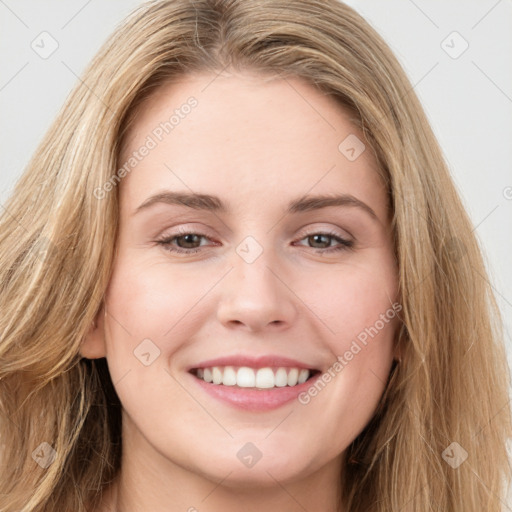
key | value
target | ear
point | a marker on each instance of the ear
(93, 345)
(398, 346)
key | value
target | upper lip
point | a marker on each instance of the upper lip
(253, 362)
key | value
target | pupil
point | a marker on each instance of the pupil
(188, 238)
(316, 238)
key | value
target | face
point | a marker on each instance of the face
(228, 269)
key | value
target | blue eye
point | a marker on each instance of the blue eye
(173, 243)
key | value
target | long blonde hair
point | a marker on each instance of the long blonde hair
(447, 398)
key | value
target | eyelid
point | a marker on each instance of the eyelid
(188, 229)
(310, 229)
(304, 231)
(343, 243)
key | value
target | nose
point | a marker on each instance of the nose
(257, 297)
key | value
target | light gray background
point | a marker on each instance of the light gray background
(467, 99)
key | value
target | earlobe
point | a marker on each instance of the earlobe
(93, 344)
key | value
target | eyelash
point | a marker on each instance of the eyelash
(166, 242)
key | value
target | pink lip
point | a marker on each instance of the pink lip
(253, 362)
(254, 399)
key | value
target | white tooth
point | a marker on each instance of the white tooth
(200, 373)
(245, 377)
(265, 378)
(217, 375)
(303, 376)
(281, 379)
(229, 378)
(293, 375)
(207, 375)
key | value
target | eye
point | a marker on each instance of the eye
(188, 239)
(189, 242)
(324, 238)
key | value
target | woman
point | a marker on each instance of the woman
(173, 338)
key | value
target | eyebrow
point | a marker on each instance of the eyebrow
(214, 204)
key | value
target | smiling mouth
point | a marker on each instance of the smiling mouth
(254, 378)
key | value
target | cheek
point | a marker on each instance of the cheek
(151, 310)
(171, 304)
(358, 310)
(152, 313)
(154, 299)
(350, 299)
(162, 302)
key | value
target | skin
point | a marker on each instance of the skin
(257, 144)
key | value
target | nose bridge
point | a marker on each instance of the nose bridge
(253, 293)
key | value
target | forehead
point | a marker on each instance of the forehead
(248, 138)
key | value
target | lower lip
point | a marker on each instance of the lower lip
(251, 399)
